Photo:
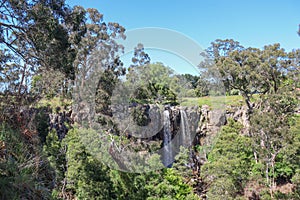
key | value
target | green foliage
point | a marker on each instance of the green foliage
(52, 104)
(167, 183)
(24, 173)
(140, 115)
(154, 93)
(249, 70)
(48, 47)
(192, 79)
(182, 163)
(105, 88)
(41, 121)
(287, 162)
(296, 180)
(169, 186)
(48, 84)
(55, 151)
(274, 140)
(229, 163)
(203, 87)
(155, 73)
(283, 196)
(140, 57)
(155, 83)
(86, 175)
(131, 185)
(283, 168)
(222, 188)
(36, 41)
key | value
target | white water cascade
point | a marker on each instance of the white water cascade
(182, 137)
(185, 130)
(167, 149)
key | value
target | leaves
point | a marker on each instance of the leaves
(229, 163)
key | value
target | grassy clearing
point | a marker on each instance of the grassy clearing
(214, 101)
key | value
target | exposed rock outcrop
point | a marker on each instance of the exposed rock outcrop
(58, 122)
(240, 114)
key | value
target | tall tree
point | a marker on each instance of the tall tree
(97, 63)
(220, 48)
(34, 38)
(140, 57)
(154, 82)
(294, 67)
(34, 31)
(274, 67)
(249, 70)
(270, 127)
(239, 71)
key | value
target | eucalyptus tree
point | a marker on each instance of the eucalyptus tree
(249, 70)
(274, 67)
(271, 131)
(294, 67)
(34, 40)
(140, 57)
(239, 70)
(34, 32)
(97, 63)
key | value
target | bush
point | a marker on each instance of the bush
(191, 93)
(24, 173)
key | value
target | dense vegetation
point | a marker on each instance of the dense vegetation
(47, 48)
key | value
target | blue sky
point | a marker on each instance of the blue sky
(253, 23)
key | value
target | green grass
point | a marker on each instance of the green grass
(214, 101)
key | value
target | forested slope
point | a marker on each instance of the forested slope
(51, 148)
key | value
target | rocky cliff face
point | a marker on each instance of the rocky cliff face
(203, 123)
(187, 126)
(58, 122)
(240, 114)
(212, 120)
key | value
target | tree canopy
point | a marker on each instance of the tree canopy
(62, 78)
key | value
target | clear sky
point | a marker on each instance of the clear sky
(253, 23)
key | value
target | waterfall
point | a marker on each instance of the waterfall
(182, 138)
(167, 149)
(185, 130)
